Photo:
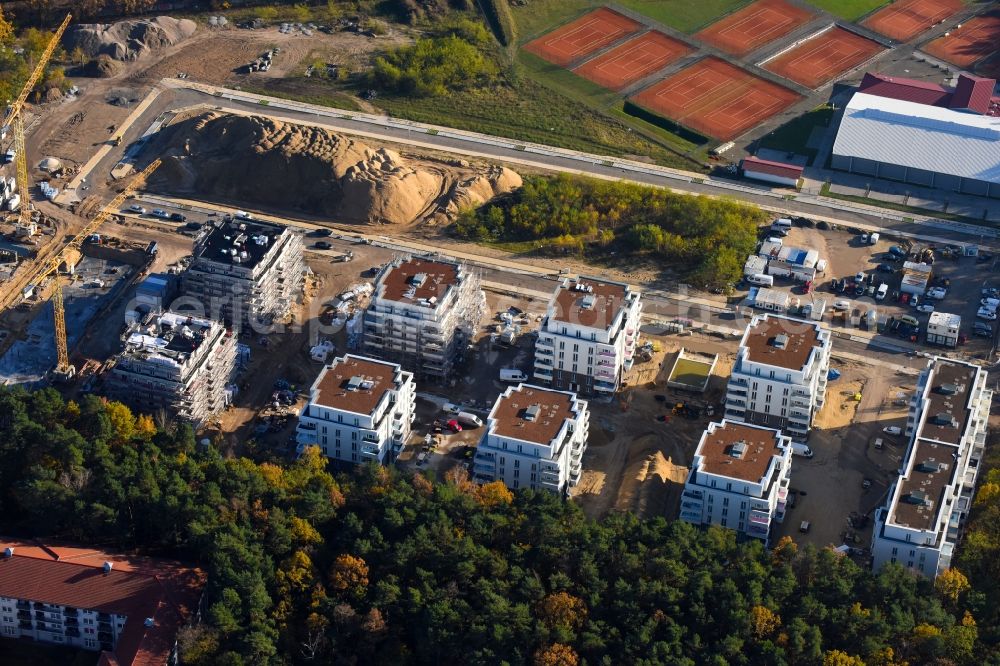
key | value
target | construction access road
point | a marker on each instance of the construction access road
(173, 95)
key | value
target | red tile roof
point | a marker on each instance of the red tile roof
(773, 168)
(973, 93)
(137, 587)
(907, 90)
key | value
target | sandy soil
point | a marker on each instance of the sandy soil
(840, 407)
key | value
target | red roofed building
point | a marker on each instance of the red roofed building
(973, 93)
(128, 608)
(780, 173)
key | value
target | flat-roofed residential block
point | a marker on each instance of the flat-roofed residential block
(175, 362)
(360, 409)
(922, 520)
(588, 336)
(739, 479)
(780, 374)
(423, 314)
(535, 438)
(247, 274)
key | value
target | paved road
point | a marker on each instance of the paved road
(173, 98)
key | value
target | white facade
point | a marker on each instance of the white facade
(535, 438)
(59, 625)
(774, 300)
(942, 329)
(588, 337)
(359, 410)
(423, 314)
(780, 374)
(921, 523)
(739, 479)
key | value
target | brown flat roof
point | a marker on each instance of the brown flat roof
(952, 400)
(512, 412)
(595, 307)
(799, 340)
(437, 276)
(718, 453)
(371, 380)
(920, 496)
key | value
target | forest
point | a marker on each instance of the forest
(702, 239)
(379, 567)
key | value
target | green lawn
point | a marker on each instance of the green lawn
(793, 135)
(903, 208)
(540, 16)
(851, 10)
(684, 15)
(690, 372)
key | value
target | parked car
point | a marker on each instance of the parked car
(136, 208)
(937, 293)
(886, 268)
(982, 329)
(160, 213)
(987, 314)
(842, 304)
(990, 292)
(322, 245)
(323, 232)
(926, 308)
(193, 226)
(860, 277)
(892, 430)
(454, 426)
(178, 217)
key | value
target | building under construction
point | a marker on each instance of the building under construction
(423, 314)
(175, 362)
(245, 273)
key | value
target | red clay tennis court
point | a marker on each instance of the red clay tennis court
(716, 99)
(906, 19)
(755, 25)
(824, 57)
(633, 60)
(591, 32)
(965, 46)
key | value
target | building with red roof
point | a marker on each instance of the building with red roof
(129, 608)
(780, 173)
(973, 94)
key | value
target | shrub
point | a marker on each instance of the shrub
(432, 67)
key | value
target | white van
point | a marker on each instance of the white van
(883, 289)
(451, 408)
(782, 225)
(243, 215)
(803, 450)
(761, 279)
(471, 420)
(512, 375)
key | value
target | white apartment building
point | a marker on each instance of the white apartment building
(175, 362)
(247, 274)
(922, 520)
(129, 611)
(535, 438)
(739, 479)
(359, 410)
(423, 314)
(588, 337)
(779, 378)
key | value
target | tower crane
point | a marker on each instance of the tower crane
(64, 370)
(15, 118)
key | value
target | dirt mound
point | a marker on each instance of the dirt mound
(282, 165)
(128, 40)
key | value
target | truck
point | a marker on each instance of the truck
(512, 375)
(800, 449)
(470, 420)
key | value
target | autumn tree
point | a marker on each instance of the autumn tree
(763, 622)
(6, 30)
(556, 654)
(839, 658)
(348, 574)
(563, 610)
(493, 494)
(951, 584)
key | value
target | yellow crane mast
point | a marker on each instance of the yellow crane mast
(15, 119)
(64, 370)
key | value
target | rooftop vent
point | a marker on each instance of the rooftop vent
(948, 389)
(928, 467)
(107, 567)
(589, 301)
(945, 419)
(418, 279)
(8, 552)
(739, 449)
(780, 341)
(917, 497)
(532, 412)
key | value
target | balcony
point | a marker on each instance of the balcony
(24, 605)
(544, 342)
(543, 372)
(484, 468)
(23, 614)
(542, 360)
(606, 387)
(610, 353)
(371, 452)
(304, 426)
(105, 636)
(691, 516)
(758, 531)
(26, 625)
(543, 351)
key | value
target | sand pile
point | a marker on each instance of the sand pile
(284, 166)
(128, 40)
